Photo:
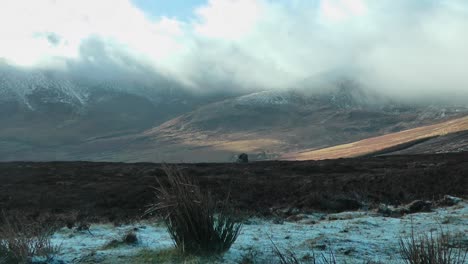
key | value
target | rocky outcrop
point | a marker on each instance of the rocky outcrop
(416, 206)
(243, 158)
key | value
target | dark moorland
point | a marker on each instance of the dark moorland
(119, 191)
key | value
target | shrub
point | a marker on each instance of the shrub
(441, 248)
(190, 216)
(21, 241)
(130, 238)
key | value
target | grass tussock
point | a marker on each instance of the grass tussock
(433, 248)
(191, 216)
(22, 241)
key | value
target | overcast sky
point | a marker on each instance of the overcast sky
(401, 47)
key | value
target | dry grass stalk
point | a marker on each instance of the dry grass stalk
(441, 248)
(22, 240)
(289, 257)
(191, 218)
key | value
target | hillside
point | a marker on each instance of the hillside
(47, 116)
(267, 125)
(423, 139)
(453, 142)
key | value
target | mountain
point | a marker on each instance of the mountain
(268, 124)
(43, 110)
(448, 136)
(49, 115)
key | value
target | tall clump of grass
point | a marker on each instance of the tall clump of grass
(191, 218)
(21, 241)
(440, 248)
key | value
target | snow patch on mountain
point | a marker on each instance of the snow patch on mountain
(20, 85)
(264, 98)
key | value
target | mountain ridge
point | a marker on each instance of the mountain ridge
(50, 117)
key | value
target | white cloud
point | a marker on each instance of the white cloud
(399, 47)
(22, 22)
(340, 10)
(228, 19)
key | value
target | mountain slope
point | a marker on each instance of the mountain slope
(269, 124)
(414, 141)
(56, 117)
(453, 142)
(43, 110)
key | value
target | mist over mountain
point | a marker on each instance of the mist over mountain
(405, 49)
(53, 115)
(78, 75)
(43, 108)
(108, 122)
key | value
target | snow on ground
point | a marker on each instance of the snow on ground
(353, 236)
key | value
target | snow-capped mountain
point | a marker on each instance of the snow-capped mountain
(22, 85)
(45, 108)
(57, 115)
(41, 91)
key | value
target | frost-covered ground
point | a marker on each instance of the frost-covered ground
(353, 236)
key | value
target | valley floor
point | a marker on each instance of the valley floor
(118, 192)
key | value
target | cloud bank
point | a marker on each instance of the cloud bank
(407, 49)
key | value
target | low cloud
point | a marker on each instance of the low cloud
(407, 49)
